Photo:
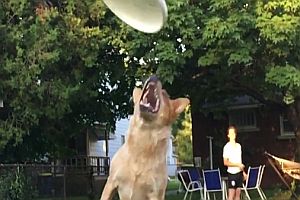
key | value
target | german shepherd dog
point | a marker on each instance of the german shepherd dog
(138, 170)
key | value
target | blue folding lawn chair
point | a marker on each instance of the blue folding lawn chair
(195, 175)
(213, 183)
(253, 182)
(189, 185)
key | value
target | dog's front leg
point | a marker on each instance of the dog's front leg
(160, 196)
(109, 190)
(157, 198)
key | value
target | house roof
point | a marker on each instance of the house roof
(244, 101)
(234, 102)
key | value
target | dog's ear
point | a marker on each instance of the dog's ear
(180, 104)
(137, 93)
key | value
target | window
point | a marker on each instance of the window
(244, 119)
(286, 129)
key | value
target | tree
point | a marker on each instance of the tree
(212, 50)
(182, 131)
(208, 50)
(60, 73)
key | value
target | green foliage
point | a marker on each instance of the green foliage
(15, 185)
(183, 138)
(60, 73)
(64, 66)
(279, 23)
(212, 49)
(288, 78)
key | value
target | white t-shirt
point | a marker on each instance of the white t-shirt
(233, 152)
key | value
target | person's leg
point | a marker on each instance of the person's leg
(231, 194)
(235, 182)
(239, 185)
(238, 194)
(231, 186)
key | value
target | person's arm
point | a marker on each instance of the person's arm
(245, 175)
(231, 164)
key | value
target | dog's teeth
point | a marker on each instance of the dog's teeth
(146, 104)
(146, 93)
(157, 105)
(150, 98)
(145, 100)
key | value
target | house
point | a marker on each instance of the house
(116, 140)
(260, 129)
(94, 150)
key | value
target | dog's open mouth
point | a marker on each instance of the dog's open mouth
(150, 101)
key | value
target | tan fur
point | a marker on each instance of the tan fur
(138, 170)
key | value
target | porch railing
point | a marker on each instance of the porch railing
(97, 164)
(76, 177)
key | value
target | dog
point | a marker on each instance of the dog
(138, 170)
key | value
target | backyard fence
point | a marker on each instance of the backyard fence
(75, 177)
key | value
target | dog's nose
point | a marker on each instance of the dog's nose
(153, 78)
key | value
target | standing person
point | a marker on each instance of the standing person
(232, 157)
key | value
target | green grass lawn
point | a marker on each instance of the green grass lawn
(173, 194)
(173, 184)
(272, 194)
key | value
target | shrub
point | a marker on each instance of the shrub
(15, 185)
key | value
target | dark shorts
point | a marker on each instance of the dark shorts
(235, 180)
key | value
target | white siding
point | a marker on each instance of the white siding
(116, 143)
(97, 148)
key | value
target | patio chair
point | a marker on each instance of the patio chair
(190, 186)
(213, 183)
(262, 169)
(253, 182)
(195, 176)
